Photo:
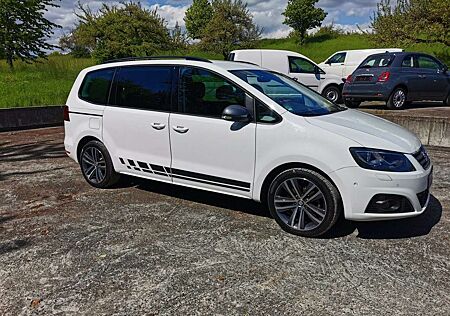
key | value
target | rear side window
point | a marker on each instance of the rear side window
(144, 87)
(95, 86)
(337, 58)
(427, 62)
(377, 61)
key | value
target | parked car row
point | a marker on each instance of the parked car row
(351, 77)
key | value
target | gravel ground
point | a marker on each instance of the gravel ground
(149, 248)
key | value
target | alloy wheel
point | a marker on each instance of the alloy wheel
(332, 95)
(93, 165)
(399, 98)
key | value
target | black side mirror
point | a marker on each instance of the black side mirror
(236, 113)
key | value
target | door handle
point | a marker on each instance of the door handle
(158, 126)
(180, 129)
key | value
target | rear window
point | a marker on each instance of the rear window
(95, 86)
(377, 61)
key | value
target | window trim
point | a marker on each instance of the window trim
(113, 92)
(109, 88)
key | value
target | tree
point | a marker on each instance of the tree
(178, 37)
(197, 18)
(24, 30)
(118, 31)
(412, 21)
(230, 27)
(302, 15)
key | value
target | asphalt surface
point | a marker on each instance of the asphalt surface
(149, 248)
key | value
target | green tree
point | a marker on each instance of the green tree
(23, 29)
(302, 15)
(119, 31)
(230, 27)
(412, 21)
(197, 18)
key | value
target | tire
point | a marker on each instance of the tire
(333, 94)
(352, 104)
(96, 165)
(397, 100)
(447, 101)
(319, 215)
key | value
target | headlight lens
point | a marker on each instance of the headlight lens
(381, 160)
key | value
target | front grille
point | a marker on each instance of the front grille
(423, 197)
(422, 157)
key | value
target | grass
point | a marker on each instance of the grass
(49, 81)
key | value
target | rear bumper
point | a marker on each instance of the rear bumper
(369, 92)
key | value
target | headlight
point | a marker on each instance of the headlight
(381, 160)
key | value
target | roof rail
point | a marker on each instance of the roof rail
(157, 58)
(245, 62)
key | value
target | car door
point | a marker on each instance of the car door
(411, 76)
(433, 80)
(337, 66)
(207, 151)
(136, 125)
(305, 72)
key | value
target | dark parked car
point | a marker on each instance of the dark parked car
(398, 79)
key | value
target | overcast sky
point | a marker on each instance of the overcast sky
(267, 14)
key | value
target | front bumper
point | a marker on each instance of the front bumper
(359, 186)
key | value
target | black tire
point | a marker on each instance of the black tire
(398, 99)
(332, 205)
(333, 94)
(109, 176)
(352, 104)
(447, 101)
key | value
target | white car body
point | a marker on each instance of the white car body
(343, 63)
(209, 154)
(278, 60)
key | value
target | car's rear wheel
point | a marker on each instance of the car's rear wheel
(397, 99)
(303, 202)
(96, 165)
(447, 101)
(332, 93)
(352, 104)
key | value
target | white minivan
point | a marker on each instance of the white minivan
(296, 66)
(237, 129)
(344, 63)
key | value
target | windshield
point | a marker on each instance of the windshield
(291, 95)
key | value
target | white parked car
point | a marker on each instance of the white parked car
(344, 63)
(296, 66)
(237, 129)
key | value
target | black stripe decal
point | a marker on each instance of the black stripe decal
(83, 113)
(131, 162)
(158, 168)
(161, 173)
(143, 165)
(211, 183)
(121, 160)
(210, 178)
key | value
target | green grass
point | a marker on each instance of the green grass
(49, 82)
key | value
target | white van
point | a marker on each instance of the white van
(237, 129)
(296, 66)
(343, 63)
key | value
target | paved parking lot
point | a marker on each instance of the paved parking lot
(149, 248)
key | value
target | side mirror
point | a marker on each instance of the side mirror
(236, 113)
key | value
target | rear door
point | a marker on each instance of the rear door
(207, 151)
(433, 80)
(411, 76)
(136, 124)
(304, 71)
(337, 65)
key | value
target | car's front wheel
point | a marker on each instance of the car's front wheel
(303, 202)
(332, 93)
(96, 165)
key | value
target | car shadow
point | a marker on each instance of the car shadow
(413, 105)
(392, 229)
(31, 151)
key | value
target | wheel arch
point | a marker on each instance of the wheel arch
(83, 141)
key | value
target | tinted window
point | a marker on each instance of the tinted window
(231, 56)
(408, 61)
(264, 114)
(95, 86)
(300, 65)
(202, 92)
(377, 61)
(144, 87)
(337, 58)
(427, 62)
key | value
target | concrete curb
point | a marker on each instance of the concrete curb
(431, 130)
(31, 117)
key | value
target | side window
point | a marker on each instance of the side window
(408, 61)
(204, 93)
(264, 114)
(144, 87)
(337, 58)
(427, 62)
(95, 86)
(300, 65)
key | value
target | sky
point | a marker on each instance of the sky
(267, 14)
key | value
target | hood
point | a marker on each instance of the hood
(368, 130)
